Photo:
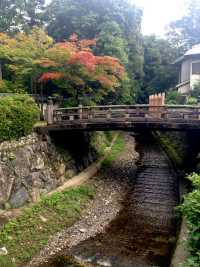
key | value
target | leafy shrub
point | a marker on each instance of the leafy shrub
(174, 98)
(10, 87)
(191, 100)
(196, 90)
(18, 114)
(191, 210)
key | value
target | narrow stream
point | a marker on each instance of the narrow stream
(144, 232)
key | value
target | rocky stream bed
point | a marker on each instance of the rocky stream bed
(130, 223)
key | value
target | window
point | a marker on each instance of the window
(196, 68)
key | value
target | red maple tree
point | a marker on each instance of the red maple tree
(74, 62)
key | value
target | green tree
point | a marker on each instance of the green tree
(185, 32)
(111, 41)
(18, 54)
(116, 25)
(159, 74)
(9, 16)
(32, 13)
(17, 15)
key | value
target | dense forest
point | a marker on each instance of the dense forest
(33, 32)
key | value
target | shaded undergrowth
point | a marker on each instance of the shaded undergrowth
(117, 147)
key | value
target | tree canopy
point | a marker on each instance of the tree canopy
(159, 74)
(116, 25)
(185, 32)
(71, 66)
(21, 15)
(18, 53)
(84, 77)
(33, 30)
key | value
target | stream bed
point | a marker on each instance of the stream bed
(143, 232)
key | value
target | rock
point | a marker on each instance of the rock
(11, 156)
(19, 198)
(62, 179)
(22, 162)
(35, 195)
(61, 169)
(70, 173)
(43, 219)
(7, 206)
(104, 263)
(3, 251)
(82, 230)
(33, 179)
(1, 212)
(4, 159)
(38, 165)
(6, 181)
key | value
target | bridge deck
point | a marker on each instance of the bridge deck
(124, 117)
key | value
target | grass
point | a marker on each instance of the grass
(170, 150)
(24, 236)
(117, 148)
(40, 124)
(100, 141)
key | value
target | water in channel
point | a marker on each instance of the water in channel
(144, 232)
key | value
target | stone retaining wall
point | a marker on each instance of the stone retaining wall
(30, 167)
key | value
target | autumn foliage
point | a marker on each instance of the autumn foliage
(69, 68)
(51, 76)
(73, 61)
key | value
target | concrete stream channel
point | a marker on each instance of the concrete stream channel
(142, 232)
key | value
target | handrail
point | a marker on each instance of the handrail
(124, 113)
(129, 106)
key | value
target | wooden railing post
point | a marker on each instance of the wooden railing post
(127, 114)
(163, 99)
(90, 116)
(80, 111)
(108, 114)
(198, 112)
(156, 105)
(50, 109)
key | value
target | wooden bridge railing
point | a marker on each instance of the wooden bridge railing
(123, 113)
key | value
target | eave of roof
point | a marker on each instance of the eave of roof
(178, 60)
(195, 50)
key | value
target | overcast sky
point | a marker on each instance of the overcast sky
(159, 13)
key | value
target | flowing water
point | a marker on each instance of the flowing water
(144, 232)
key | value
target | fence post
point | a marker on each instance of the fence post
(163, 105)
(50, 111)
(80, 111)
(127, 114)
(151, 105)
(163, 99)
(198, 113)
(108, 113)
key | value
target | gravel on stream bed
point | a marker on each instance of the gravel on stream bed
(112, 184)
(131, 222)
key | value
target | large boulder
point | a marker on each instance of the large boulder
(19, 198)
